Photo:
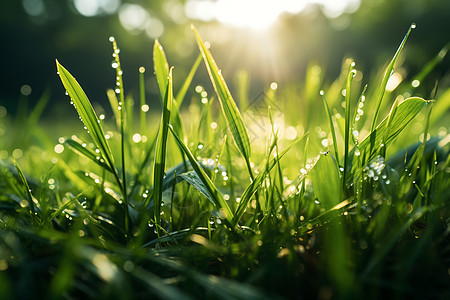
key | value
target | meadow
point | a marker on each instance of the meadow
(327, 190)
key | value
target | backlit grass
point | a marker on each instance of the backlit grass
(320, 190)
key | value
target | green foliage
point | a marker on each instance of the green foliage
(372, 221)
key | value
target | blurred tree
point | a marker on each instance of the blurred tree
(35, 32)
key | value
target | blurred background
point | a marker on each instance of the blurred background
(274, 41)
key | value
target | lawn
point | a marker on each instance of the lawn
(325, 189)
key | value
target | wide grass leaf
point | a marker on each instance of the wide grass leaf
(87, 115)
(229, 108)
(161, 68)
(326, 181)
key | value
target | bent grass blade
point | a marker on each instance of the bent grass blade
(209, 186)
(88, 117)
(229, 108)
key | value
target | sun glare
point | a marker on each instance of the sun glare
(260, 14)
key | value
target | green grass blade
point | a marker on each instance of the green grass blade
(27, 192)
(390, 117)
(112, 97)
(386, 77)
(122, 124)
(212, 190)
(441, 107)
(161, 68)
(187, 83)
(60, 209)
(193, 179)
(430, 66)
(88, 116)
(142, 98)
(229, 108)
(87, 153)
(330, 121)
(326, 181)
(348, 90)
(39, 108)
(255, 184)
(404, 113)
(160, 154)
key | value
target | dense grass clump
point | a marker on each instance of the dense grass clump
(321, 190)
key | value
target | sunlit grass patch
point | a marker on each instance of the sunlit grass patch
(340, 190)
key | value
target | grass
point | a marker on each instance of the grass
(322, 206)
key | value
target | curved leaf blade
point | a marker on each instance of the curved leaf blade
(86, 113)
(229, 108)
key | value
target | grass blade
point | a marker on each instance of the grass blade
(212, 190)
(161, 68)
(330, 121)
(254, 185)
(229, 108)
(193, 179)
(348, 89)
(86, 152)
(142, 98)
(404, 113)
(28, 191)
(187, 83)
(386, 77)
(88, 117)
(160, 154)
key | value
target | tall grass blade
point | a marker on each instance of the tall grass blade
(386, 77)
(229, 108)
(122, 107)
(161, 68)
(112, 97)
(160, 154)
(142, 98)
(187, 82)
(176, 120)
(330, 122)
(348, 88)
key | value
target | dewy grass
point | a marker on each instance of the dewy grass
(368, 217)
